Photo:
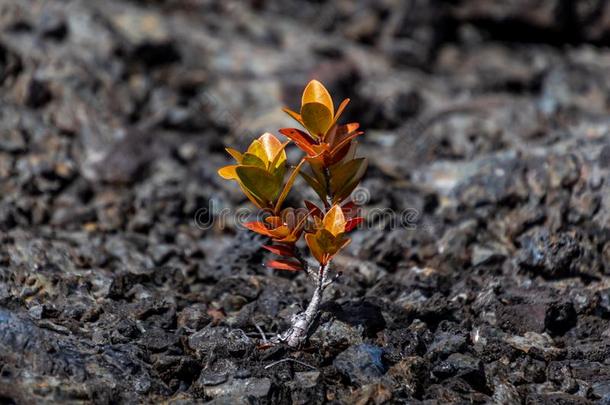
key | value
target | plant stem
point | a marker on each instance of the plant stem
(301, 322)
(327, 178)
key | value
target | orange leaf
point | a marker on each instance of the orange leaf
(228, 172)
(235, 153)
(346, 129)
(258, 227)
(340, 110)
(334, 221)
(296, 116)
(280, 250)
(315, 92)
(280, 264)
(314, 248)
(274, 221)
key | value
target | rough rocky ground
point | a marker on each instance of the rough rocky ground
(488, 133)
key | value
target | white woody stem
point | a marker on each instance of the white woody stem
(301, 323)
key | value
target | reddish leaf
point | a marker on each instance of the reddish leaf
(280, 250)
(300, 138)
(344, 142)
(350, 210)
(280, 264)
(352, 223)
(313, 209)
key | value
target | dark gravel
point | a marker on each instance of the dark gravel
(485, 280)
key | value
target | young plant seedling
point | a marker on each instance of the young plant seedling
(329, 151)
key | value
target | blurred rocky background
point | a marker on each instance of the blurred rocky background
(486, 121)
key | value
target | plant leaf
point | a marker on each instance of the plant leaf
(274, 221)
(252, 160)
(280, 157)
(314, 248)
(317, 187)
(341, 175)
(317, 118)
(340, 110)
(349, 186)
(313, 209)
(228, 172)
(294, 115)
(353, 223)
(345, 141)
(256, 148)
(317, 168)
(281, 264)
(288, 186)
(327, 241)
(237, 155)
(259, 182)
(334, 221)
(315, 92)
(280, 250)
(346, 129)
(300, 138)
(273, 148)
(255, 200)
(258, 227)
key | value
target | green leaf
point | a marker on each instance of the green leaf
(318, 171)
(342, 173)
(313, 183)
(259, 182)
(349, 178)
(248, 159)
(317, 118)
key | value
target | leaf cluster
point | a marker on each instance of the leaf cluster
(332, 170)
